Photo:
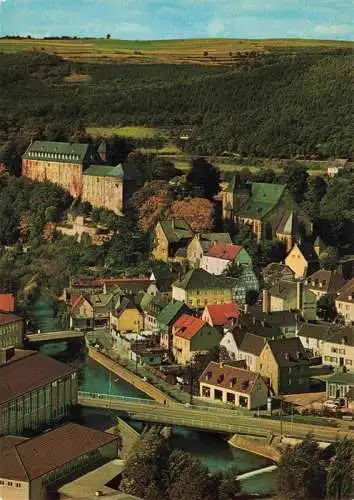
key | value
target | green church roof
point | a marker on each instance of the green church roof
(62, 152)
(176, 230)
(264, 197)
(201, 279)
(119, 172)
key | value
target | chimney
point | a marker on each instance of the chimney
(173, 224)
(299, 292)
(6, 353)
(265, 301)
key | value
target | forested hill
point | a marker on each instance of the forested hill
(298, 104)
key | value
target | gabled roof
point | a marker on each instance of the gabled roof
(276, 318)
(264, 197)
(288, 352)
(199, 278)
(63, 152)
(229, 377)
(307, 250)
(125, 304)
(221, 314)
(188, 326)
(153, 304)
(8, 318)
(346, 293)
(176, 230)
(337, 334)
(126, 172)
(76, 299)
(33, 458)
(225, 251)
(7, 302)
(275, 271)
(325, 281)
(27, 371)
(252, 344)
(169, 313)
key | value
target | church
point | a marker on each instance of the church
(269, 209)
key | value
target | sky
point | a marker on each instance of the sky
(161, 19)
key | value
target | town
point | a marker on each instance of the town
(217, 336)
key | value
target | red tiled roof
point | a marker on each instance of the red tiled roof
(187, 326)
(27, 371)
(226, 251)
(229, 377)
(43, 454)
(346, 294)
(325, 281)
(221, 314)
(7, 302)
(7, 318)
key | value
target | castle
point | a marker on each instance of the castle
(82, 170)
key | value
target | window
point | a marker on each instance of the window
(290, 381)
(334, 349)
(9, 483)
(18, 485)
(2, 482)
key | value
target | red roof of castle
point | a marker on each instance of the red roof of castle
(226, 251)
(187, 326)
(220, 314)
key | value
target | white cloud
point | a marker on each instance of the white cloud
(332, 29)
(216, 27)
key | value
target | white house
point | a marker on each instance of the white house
(220, 256)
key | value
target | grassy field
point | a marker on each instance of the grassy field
(207, 51)
(134, 132)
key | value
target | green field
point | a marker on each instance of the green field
(208, 51)
(134, 132)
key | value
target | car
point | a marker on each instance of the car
(331, 404)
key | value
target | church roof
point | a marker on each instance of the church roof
(176, 230)
(264, 197)
(119, 171)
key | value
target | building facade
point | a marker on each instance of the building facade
(222, 255)
(11, 330)
(345, 302)
(201, 243)
(35, 391)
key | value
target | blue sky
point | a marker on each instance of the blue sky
(157, 19)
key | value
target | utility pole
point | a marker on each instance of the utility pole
(281, 416)
(191, 381)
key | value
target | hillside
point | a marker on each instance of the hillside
(208, 51)
(283, 103)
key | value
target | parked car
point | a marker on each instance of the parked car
(331, 404)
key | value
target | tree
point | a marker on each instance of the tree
(108, 36)
(189, 479)
(229, 485)
(326, 308)
(316, 191)
(296, 178)
(203, 178)
(340, 474)
(198, 212)
(329, 258)
(301, 474)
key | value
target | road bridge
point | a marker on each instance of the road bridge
(209, 418)
(51, 336)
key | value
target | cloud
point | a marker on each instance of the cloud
(216, 27)
(332, 29)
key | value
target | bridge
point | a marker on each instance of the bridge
(209, 418)
(58, 336)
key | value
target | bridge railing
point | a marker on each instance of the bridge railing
(116, 397)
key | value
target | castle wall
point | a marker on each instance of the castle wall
(106, 192)
(66, 175)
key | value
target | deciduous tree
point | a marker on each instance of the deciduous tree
(198, 212)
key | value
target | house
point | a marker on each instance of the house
(245, 283)
(133, 287)
(201, 243)
(90, 311)
(199, 288)
(345, 302)
(275, 272)
(222, 255)
(169, 237)
(165, 320)
(336, 166)
(268, 209)
(346, 267)
(333, 343)
(323, 282)
(302, 260)
(151, 306)
(287, 321)
(341, 385)
(80, 169)
(7, 302)
(141, 347)
(285, 364)
(32, 469)
(161, 282)
(221, 315)
(35, 390)
(290, 296)
(233, 385)
(126, 317)
(191, 335)
(11, 330)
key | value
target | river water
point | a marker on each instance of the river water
(211, 449)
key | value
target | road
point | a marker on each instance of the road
(217, 420)
(45, 337)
